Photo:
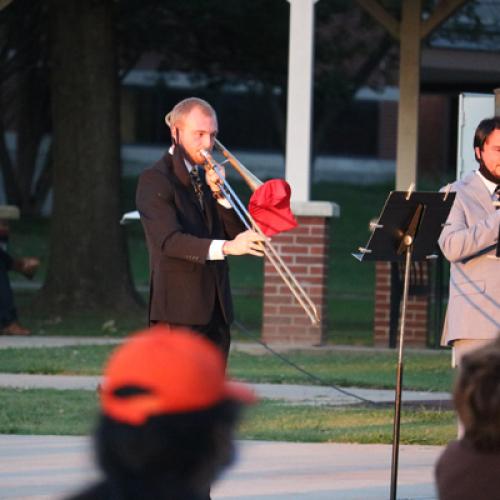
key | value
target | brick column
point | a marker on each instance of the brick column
(416, 310)
(305, 251)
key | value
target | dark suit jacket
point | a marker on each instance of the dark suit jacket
(183, 283)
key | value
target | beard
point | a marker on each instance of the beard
(488, 174)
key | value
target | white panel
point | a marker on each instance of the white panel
(472, 108)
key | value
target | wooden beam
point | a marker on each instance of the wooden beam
(443, 11)
(409, 93)
(389, 22)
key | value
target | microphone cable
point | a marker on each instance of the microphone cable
(318, 380)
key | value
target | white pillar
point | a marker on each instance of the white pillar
(298, 121)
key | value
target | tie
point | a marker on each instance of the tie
(197, 186)
(497, 204)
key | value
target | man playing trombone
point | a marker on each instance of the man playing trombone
(190, 228)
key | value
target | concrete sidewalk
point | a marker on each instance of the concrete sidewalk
(49, 467)
(249, 347)
(304, 394)
(27, 341)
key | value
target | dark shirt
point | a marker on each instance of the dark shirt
(104, 491)
(464, 473)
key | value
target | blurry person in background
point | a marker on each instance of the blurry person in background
(27, 267)
(469, 467)
(168, 415)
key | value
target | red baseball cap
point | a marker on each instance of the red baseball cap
(175, 371)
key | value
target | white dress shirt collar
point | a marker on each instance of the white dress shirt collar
(490, 185)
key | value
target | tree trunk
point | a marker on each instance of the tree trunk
(33, 109)
(43, 183)
(88, 265)
(12, 192)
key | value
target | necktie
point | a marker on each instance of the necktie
(497, 204)
(197, 186)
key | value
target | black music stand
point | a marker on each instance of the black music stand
(407, 229)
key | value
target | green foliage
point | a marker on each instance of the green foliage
(213, 40)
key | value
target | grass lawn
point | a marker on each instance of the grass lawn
(74, 413)
(85, 324)
(430, 371)
(423, 371)
(273, 420)
(47, 411)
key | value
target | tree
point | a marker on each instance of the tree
(88, 265)
(351, 51)
(24, 103)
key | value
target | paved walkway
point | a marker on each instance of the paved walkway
(7, 341)
(294, 393)
(48, 467)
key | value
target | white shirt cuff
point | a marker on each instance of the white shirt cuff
(224, 203)
(215, 250)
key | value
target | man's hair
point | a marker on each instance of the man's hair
(477, 396)
(483, 131)
(171, 449)
(183, 107)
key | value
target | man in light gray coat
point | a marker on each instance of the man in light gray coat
(469, 241)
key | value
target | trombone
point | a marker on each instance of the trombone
(269, 251)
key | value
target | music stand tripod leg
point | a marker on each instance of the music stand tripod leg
(399, 379)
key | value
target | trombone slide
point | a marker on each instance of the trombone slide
(270, 252)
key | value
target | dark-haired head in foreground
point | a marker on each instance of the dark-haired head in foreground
(468, 468)
(168, 417)
(477, 397)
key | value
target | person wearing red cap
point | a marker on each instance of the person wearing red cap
(190, 230)
(168, 414)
